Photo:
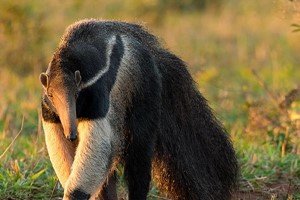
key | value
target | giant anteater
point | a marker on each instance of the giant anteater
(113, 94)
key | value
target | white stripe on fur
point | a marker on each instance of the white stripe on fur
(111, 42)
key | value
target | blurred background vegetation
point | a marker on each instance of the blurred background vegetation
(243, 55)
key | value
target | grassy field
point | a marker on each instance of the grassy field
(243, 56)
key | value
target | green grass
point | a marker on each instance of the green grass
(221, 47)
(25, 170)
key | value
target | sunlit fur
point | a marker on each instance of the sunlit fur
(60, 150)
(93, 157)
(152, 120)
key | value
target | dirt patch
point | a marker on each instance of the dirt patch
(279, 191)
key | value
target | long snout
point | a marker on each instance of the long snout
(67, 115)
(70, 127)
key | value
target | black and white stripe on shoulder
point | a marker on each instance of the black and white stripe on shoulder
(114, 54)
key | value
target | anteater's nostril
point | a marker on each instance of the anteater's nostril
(72, 137)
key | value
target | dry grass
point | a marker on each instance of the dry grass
(222, 47)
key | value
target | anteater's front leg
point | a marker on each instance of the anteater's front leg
(60, 150)
(92, 161)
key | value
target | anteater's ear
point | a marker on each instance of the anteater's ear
(44, 78)
(77, 78)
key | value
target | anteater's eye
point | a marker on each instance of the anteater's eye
(50, 95)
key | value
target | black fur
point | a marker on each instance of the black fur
(89, 60)
(93, 105)
(79, 195)
(143, 121)
(170, 128)
(193, 144)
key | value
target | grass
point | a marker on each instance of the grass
(25, 170)
(222, 48)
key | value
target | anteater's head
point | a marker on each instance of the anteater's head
(61, 89)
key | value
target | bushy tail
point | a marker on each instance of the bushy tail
(194, 157)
